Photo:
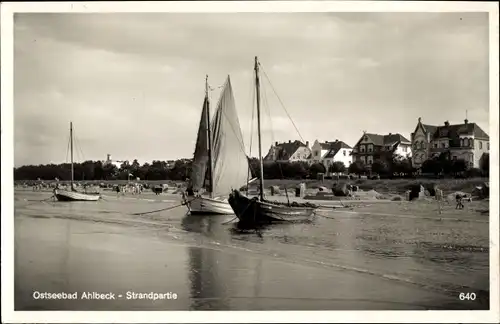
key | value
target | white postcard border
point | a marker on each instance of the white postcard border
(7, 156)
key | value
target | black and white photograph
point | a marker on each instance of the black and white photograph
(250, 156)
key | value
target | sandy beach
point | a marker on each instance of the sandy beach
(352, 259)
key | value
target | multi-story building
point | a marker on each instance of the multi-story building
(465, 141)
(329, 152)
(372, 146)
(289, 152)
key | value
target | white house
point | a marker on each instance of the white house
(329, 152)
(295, 151)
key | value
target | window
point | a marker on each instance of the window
(488, 146)
(316, 153)
(404, 148)
(443, 145)
(370, 148)
(466, 142)
(422, 144)
(480, 145)
(362, 149)
(344, 152)
(435, 145)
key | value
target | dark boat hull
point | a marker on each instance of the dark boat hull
(251, 210)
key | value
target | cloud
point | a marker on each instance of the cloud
(133, 84)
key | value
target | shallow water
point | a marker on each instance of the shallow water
(383, 256)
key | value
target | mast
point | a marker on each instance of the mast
(257, 88)
(71, 147)
(209, 140)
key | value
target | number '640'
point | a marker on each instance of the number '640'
(467, 296)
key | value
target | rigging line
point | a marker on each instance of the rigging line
(75, 146)
(252, 90)
(79, 147)
(81, 151)
(68, 148)
(281, 102)
(266, 103)
(167, 208)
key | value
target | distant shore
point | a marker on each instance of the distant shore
(383, 186)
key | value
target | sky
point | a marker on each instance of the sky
(133, 83)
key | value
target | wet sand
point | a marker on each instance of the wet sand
(340, 262)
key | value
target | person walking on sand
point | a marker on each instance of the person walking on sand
(459, 199)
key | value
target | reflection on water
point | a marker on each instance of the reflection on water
(206, 284)
(207, 288)
(211, 273)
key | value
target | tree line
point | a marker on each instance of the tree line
(97, 170)
(394, 166)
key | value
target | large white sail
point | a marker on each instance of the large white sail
(230, 165)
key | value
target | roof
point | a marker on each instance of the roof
(283, 151)
(454, 131)
(430, 128)
(334, 147)
(381, 140)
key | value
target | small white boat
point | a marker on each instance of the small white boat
(67, 195)
(205, 205)
(220, 163)
(72, 194)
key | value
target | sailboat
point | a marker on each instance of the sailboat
(72, 194)
(258, 210)
(220, 163)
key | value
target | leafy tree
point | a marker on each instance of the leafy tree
(357, 167)
(431, 166)
(484, 163)
(88, 170)
(337, 167)
(380, 167)
(316, 168)
(125, 166)
(402, 166)
(254, 165)
(110, 172)
(459, 166)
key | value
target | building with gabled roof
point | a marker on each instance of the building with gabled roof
(329, 152)
(465, 141)
(289, 152)
(371, 146)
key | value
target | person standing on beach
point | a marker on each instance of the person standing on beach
(459, 199)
